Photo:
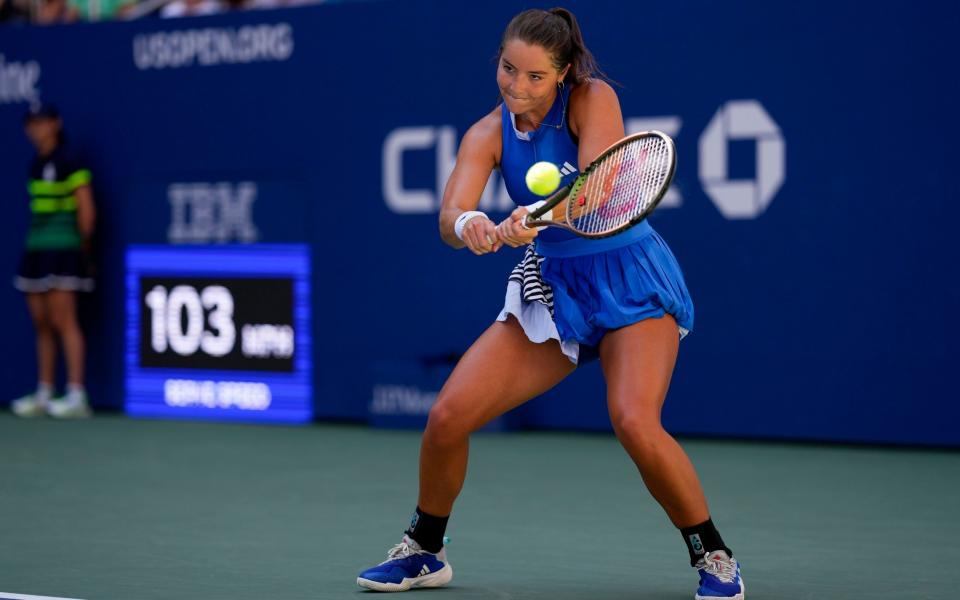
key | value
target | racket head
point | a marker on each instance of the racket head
(618, 190)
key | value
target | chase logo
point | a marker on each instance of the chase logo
(734, 199)
(402, 197)
(18, 81)
(742, 198)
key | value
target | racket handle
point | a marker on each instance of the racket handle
(531, 208)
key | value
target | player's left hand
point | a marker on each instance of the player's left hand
(512, 232)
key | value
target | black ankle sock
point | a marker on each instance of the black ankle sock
(702, 539)
(427, 530)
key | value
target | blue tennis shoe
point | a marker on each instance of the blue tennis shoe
(719, 577)
(408, 566)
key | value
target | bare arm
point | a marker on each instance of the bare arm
(476, 158)
(86, 213)
(595, 119)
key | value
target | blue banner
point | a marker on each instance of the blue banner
(811, 211)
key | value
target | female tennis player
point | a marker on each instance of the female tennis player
(570, 299)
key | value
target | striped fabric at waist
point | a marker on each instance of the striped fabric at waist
(527, 275)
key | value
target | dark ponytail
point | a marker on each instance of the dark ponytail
(556, 31)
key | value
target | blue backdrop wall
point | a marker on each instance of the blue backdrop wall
(813, 211)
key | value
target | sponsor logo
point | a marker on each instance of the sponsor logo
(696, 543)
(213, 46)
(442, 141)
(207, 213)
(404, 400)
(742, 198)
(19, 81)
(733, 198)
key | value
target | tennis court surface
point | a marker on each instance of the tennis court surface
(121, 509)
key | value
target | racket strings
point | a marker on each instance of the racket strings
(604, 188)
(584, 208)
(586, 215)
(622, 187)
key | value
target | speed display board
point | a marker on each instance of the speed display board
(219, 332)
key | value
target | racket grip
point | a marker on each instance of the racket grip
(531, 208)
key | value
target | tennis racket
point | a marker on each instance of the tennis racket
(618, 190)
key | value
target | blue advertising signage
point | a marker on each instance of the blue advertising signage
(219, 332)
(812, 210)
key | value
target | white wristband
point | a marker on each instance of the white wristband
(462, 221)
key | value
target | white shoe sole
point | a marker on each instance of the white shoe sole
(73, 412)
(29, 412)
(740, 596)
(438, 579)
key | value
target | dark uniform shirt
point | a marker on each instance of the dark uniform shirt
(52, 185)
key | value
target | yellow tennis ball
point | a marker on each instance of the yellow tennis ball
(543, 178)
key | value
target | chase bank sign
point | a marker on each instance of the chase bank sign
(734, 198)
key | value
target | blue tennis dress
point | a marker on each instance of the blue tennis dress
(573, 289)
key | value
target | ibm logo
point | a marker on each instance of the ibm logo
(210, 213)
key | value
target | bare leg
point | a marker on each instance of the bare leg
(62, 311)
(637, 363)
(46, 340)
(502, 370)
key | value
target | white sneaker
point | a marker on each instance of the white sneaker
(29, 406)
(72, 406)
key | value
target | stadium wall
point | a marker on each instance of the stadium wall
(812, 213)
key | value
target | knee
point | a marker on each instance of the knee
(640, 432)
(445, 425)
(56, 322)
(61, 321)
(43, 324)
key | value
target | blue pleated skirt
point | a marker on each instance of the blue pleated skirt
(575, 295)
(595, 293)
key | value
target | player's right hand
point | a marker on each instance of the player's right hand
(512, 230)
(480, 236)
